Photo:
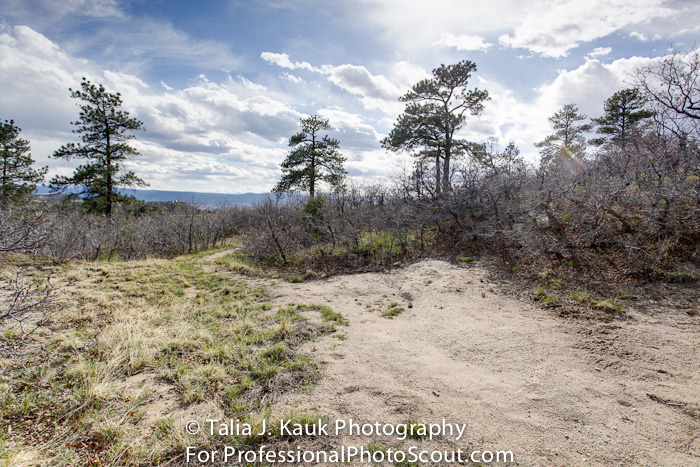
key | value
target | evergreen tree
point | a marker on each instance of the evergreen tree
(314, 159)
(624, 111)
(435, 111)
(568, 143)
(18, 177)
(103, 129)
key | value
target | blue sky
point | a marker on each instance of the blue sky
(221, 84)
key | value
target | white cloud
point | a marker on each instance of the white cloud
(462, 42)
(128, 42)
(356, 131)
(411, 26)
(639, 36)
(589, 85)
(405, 74)
(35, 76)
(22, 10)
(293, 78)
(358, 80)
(600, 52)
(553, 30)
(376, 91)
(550, 28)
(284, 61)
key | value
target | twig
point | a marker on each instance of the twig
(656, 398)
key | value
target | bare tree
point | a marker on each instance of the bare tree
(672, 86)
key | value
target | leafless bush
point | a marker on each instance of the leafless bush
(357, 228)
(274, 230)
(26, 301)
(22, 229)
(29, 302)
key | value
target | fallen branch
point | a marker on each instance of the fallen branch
(656, 398)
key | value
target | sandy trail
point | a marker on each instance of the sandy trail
(553, 391)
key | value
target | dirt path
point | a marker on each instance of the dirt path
(553, 391)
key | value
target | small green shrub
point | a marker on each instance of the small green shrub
(550, 300)
(625, 294)
(607, 305)
(393, 312)
(541, 295)
(586, 299)
(376, 446)
(415, 430)
(557, 284)
(295, 278)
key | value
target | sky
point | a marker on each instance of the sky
(221, 85)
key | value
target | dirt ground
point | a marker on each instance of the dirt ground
(555, 391)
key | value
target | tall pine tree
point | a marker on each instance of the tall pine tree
(313, 160)
(436, 110)
(103, 129)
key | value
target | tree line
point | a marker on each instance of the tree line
(622, 186)
(615, 196)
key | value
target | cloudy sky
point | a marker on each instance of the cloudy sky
(221, 85)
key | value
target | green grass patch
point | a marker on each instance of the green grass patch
(415, 430)
(238, 263)
(392, 312)
(545, 298)
(294, 278)
(586, 299)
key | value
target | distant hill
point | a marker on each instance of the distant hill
(209, 199)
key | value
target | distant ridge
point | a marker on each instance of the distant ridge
(209, 199)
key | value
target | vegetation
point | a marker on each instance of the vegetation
(17, 177)
(393, 311)
(314, 159)
(145, 340)
(625, 210)
(568, 143)
(624, 113)
(435, 112)
(103, 129)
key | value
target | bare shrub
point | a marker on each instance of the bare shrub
(27, 301)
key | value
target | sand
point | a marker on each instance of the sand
(555, 391)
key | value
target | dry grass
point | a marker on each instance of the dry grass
(150, 344)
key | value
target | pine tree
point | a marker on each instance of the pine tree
(314, 159)
(103, 129)
(568, 143)
(435, 111)
(624, 111)
(18, 178)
